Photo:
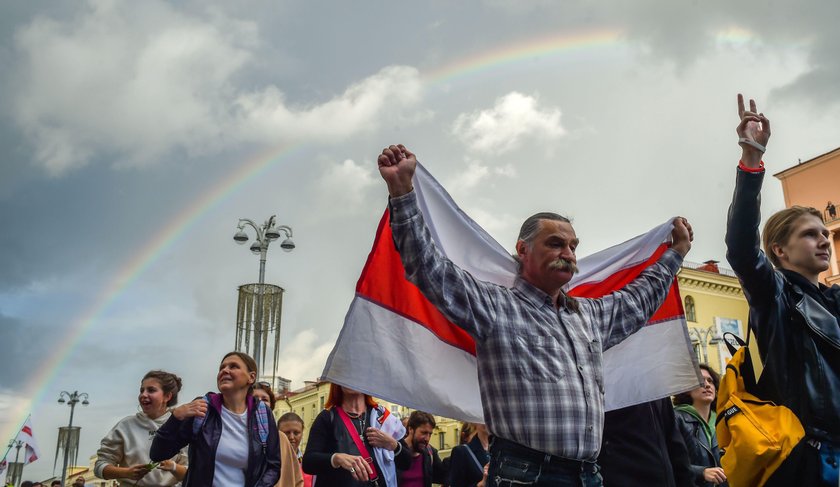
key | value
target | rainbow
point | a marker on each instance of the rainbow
(134, 268)
(549, 46)
(172, 232)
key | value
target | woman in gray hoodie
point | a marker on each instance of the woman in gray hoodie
(124, 452)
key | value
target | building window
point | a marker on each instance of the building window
(441, 440)
(690, 310)
(322, 402)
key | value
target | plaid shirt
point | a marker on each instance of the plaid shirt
(539, 367)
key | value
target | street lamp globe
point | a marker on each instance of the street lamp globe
(272, 234)
(287, 245)
(240, 237)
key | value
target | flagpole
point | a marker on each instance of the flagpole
(9, 448)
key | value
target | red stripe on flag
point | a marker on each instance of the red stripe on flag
(26, 430)
(671, 307)
(383, 282)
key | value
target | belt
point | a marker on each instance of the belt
(500, 444)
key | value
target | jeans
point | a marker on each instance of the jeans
(514, 465)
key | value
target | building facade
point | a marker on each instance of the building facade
(816, 183)
(714, 303)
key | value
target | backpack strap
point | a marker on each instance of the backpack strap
(731, 339)
(262, 422)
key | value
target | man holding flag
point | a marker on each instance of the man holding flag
(539, 351)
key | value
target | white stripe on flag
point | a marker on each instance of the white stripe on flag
(393, 358)
(655, 362)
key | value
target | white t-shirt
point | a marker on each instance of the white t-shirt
(232, 452)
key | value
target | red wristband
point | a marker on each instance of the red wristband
(760, 167)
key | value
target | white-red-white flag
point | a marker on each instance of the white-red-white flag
(397, 346)
(32, 452)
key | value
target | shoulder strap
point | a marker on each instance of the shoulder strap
(357, 440)
(729, 338)
(472, 455)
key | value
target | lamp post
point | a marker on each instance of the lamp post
(17, 444)
(705, 336)
(265, 235)
(71, 400)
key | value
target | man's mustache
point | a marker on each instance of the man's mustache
(564, 265)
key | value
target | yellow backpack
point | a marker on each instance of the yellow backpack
(756, 436)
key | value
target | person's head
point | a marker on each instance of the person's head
(79, 482)
(262, 392)
(291, 425)
(703, 395)
(467, 432)
(26, 483)
(338, 394)
(55, 483)
(158, 390)
(37, 484)
(237, 372)
(420, 428)
(796, 239)
(545, 251)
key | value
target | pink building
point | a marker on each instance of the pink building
(816, 183)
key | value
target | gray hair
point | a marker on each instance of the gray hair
(528, 232)
(530, 228)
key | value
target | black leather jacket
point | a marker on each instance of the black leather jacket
(798, 338)
(701, 455)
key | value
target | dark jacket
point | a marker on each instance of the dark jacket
(642, 446)
(433, 469)
(263, 460)
(700, 453)
(798, 336)
(463, 470)
(327, 436)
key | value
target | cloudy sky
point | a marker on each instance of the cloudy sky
(136, 134)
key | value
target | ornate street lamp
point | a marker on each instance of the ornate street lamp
(16, 473)
(705, 337)
(266, 234)
(71, 400)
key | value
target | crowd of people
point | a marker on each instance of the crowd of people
(544, 412)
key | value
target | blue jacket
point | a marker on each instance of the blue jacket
(263, 459)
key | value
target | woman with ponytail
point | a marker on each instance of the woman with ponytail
(124, 452)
